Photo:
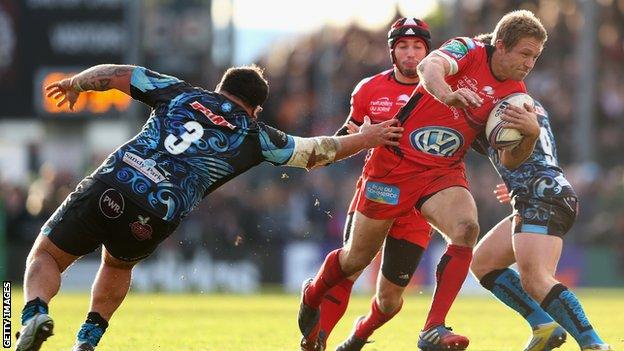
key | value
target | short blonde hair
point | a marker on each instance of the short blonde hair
(516, 25)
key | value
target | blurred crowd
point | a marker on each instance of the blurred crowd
(311, 79)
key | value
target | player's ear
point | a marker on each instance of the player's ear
(499, 45)
(257, 111)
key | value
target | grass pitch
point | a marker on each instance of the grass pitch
(181, 322)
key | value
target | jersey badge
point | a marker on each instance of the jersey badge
(437, 141)
(382, 193)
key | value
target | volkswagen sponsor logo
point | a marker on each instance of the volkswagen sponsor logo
(112, 204)
(438, 141)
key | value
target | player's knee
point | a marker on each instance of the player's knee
(389, 300)
(466, 233)
(109, 261)
(40, 255)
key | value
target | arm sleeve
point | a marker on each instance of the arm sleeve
(277, 146)
(458, 52)
(153, 88)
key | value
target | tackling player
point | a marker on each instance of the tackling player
(194, 141)
(380, 97)
(460, 83)
(544, 209)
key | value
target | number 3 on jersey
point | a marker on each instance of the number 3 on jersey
(177, 145)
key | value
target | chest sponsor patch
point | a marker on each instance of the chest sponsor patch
(381, 105)
(438, 141)
(382, 193)
(111, 203)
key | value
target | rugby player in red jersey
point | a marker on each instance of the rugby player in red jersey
(380, 97)
(459, 85)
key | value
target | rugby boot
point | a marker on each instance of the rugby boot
(546, 337)
(32, 335)
(353, 343)
(441, 338)
(599, 347)
(88, 337)
(309, 320)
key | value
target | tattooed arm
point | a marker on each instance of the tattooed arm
(98, 78)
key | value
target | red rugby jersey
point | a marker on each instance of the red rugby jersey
(437, 135)
(379, 97)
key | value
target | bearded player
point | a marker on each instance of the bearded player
(459, 85)
(380, 98)
(194, 141)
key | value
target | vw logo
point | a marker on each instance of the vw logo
(438, 141)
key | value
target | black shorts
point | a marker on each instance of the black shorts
(548, 215)
(97, 214)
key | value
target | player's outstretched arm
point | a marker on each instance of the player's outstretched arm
(369, 136)
(98, 78)
(525, 121)
(431, 71)
(319, 151)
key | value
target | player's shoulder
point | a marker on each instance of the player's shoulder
(372, 81)
(458, 47)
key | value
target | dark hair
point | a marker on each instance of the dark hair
(246, 83)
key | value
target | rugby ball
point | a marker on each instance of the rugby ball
(498, 136)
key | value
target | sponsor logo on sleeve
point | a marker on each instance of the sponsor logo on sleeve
(111, 203)
(456, 49)
(382, 193)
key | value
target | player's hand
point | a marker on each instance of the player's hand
(502, 194)
(522, 119)
(63, 91)
(384, 133)
(463, 98)
(352, 128)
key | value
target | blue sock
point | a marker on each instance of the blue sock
(33, 307)
(92, 329)
(566, 309)
(505, 285)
